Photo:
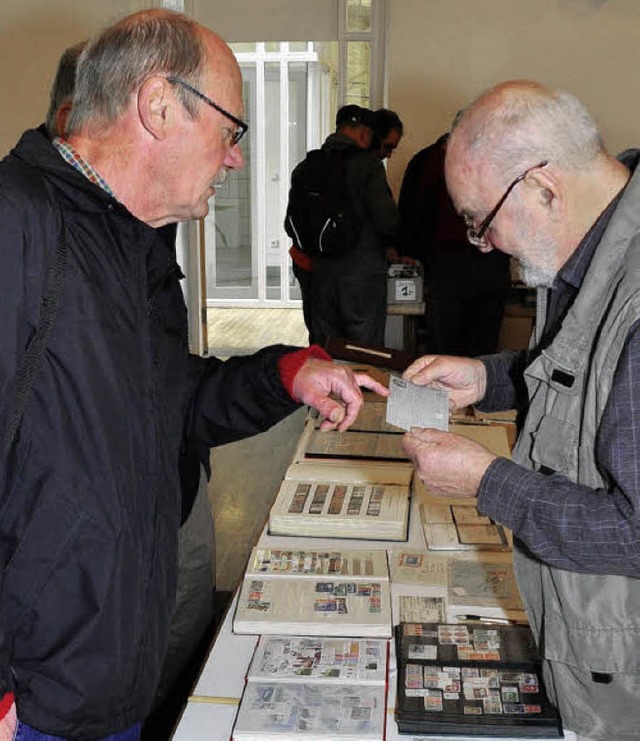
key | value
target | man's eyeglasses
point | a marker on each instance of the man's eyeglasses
(476, 236)
(241, 127)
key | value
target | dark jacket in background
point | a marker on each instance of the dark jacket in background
(368, 191)
(465, 288)
(348, 292)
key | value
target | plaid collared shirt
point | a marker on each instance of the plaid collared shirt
(68, 153)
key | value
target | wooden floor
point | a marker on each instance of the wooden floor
(242, 331)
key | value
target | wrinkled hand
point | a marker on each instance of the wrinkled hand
(317, 379)
(464, 378)
(448, 464)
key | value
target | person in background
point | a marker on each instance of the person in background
(388, 130)
(93, 434)
(348, 292)
(465, 289)
(528, 172)
(61, 92)
(302, 263)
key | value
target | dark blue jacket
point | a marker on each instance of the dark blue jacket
(90, 495)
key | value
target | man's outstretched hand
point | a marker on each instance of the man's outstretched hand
(318, 381)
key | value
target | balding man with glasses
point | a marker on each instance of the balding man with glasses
(100, 396)
(527, 170)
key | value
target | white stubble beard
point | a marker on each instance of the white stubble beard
(535, 276)
(537, 272)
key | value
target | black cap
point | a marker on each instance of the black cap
(354, 114)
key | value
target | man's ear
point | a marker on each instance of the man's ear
(156, 106)
(548, 190)
(62, 114)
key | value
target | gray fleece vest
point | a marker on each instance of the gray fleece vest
(587, 626)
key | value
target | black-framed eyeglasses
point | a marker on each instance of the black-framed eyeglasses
(241, 127)
(476, 236)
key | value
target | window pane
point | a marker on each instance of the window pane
(358, 15)
(228, 229)
(327, 52)
(297, 137)
(239, 47)
(244, 232)
(271, 188)
(358, 73)
(298, 46)
(272, 46)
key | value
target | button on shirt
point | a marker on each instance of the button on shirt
(568, 525)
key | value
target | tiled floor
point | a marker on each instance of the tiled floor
(241, 331)
(246, 477)
(246, 474)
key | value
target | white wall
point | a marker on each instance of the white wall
(268, 20)
(442, 53)
(33, 35)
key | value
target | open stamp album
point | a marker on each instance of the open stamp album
(318, 659)
(343, 509)
(478, 679)
(460, 526)
(451, 523)
(427, 586)
(314, 688)
(315, 593)
(371, 418)
(354, 444)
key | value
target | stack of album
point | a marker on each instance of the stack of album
(315, 593)
(314, 688)
(476, 679)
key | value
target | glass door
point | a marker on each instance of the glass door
(230, 256)
(290, 93)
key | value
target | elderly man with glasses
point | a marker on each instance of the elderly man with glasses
(100, 395)
(527, 170)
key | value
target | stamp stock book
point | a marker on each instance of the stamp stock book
(476, 679)
(315, 593)
(314, 688)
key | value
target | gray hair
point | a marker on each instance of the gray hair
(63, 85)
(117, 61)
(529, 125)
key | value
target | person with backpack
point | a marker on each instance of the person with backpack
(340, 216)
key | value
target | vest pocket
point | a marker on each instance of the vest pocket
(592, 622)
(554, 445)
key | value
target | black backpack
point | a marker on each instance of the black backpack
(321, 217)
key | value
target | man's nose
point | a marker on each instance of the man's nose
(234, 158)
